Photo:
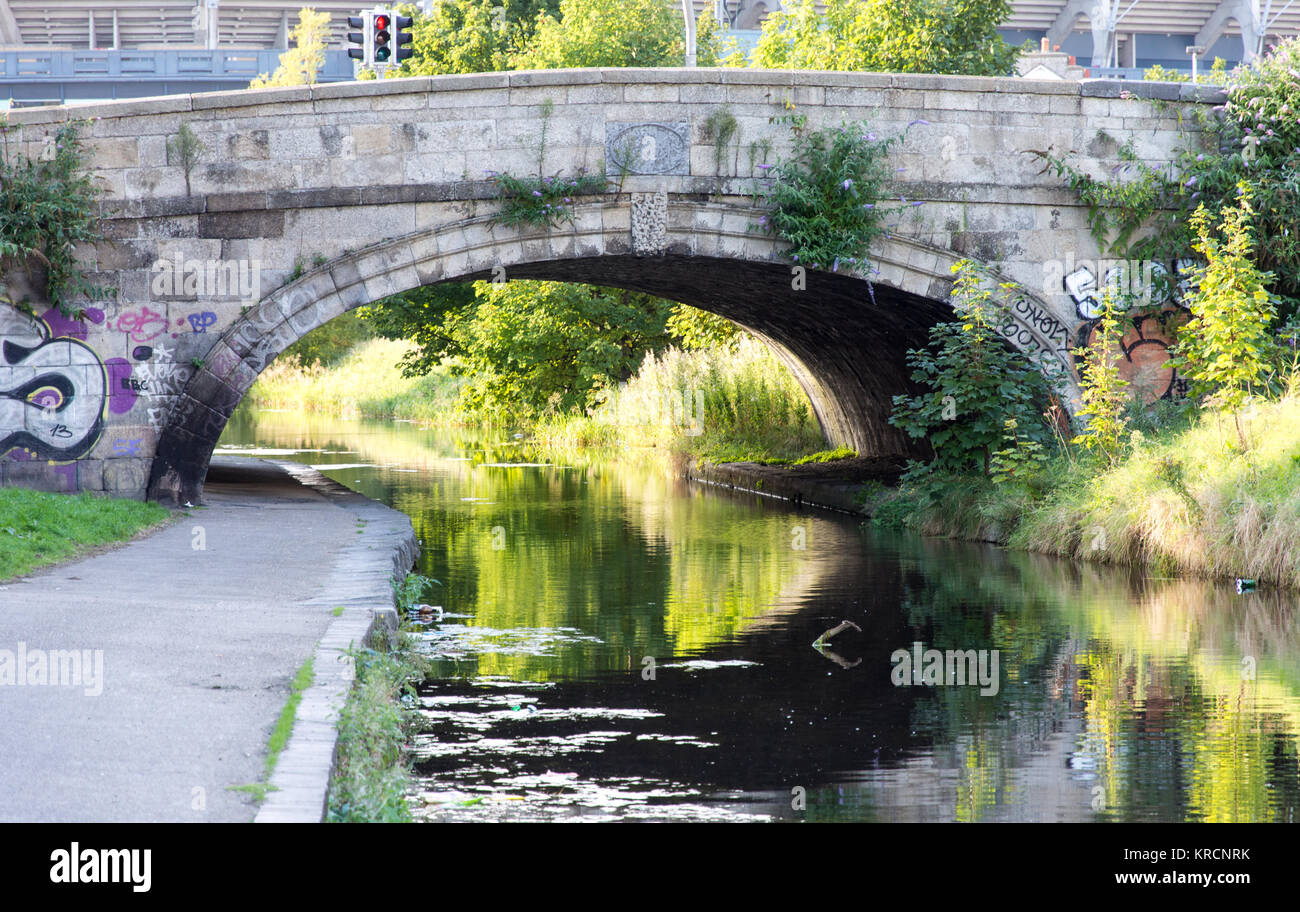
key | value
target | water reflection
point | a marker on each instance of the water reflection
(631, 647)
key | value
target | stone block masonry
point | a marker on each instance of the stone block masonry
(386, 184)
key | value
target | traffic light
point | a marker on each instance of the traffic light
(402, 36)
(381, 37)
(358, 53)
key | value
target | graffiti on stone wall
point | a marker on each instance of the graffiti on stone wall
(1158, 291)
(164, 379)
(53, 386)
(59, 398)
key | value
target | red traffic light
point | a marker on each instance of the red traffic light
(381, 22)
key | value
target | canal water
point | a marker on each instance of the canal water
(618, 644)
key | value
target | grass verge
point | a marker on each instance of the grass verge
(364, 383)
(1184, 499)
(281, 732)
(372, 774)
(38, 528)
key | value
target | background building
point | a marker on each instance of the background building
(58, 50)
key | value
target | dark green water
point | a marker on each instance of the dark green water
(618, 644)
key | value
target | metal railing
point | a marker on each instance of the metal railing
(30, 64)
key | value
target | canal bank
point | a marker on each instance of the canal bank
(191, 637)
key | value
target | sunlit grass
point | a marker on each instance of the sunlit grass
(37, 529)
(718, 404)
(1182, 500)
(1189, 500)
(366, 383)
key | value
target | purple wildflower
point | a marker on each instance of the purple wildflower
(537, 193)
(848, 182)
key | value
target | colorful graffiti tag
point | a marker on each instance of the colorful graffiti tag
(52, 387)
(1143, 357)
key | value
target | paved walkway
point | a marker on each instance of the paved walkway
(198, 648)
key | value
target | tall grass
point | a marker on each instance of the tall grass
(364, 383)
(718, 403)
(1188, 501)
(1185, 499)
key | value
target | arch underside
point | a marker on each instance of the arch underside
(845, 339)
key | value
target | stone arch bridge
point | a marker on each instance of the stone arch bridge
(377, 187)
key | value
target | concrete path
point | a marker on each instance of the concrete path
(202, 626)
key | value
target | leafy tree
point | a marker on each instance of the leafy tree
(531, 348)
(902, 36)
(1105, 392)
(300, 64)
(429, 317)
(535, 346)
(618, 33)
(471, 36)
(1226, 348)
(975, 381)
(696, 329)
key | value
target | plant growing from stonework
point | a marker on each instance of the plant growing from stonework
(542, 201)
(973, 382)
(1226, 348)
(1103, 391)
(720, 127)
(184, 149)
(47, 209)
(1121, 205)
(822, 199)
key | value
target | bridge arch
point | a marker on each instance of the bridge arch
(843, 335)
(324, 172)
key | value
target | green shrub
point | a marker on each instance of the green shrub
(975, 381)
